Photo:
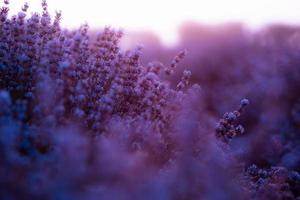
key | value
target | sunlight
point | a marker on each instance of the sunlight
(163, 17)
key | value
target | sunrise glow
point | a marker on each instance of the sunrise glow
(163, 17)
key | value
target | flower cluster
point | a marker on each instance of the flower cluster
(272, 183)
(175, 61)
(63, 75)
(226, 129)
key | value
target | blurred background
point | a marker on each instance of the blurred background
(163, 17)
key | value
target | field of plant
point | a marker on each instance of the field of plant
(83, 118)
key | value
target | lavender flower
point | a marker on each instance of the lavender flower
(80, 118)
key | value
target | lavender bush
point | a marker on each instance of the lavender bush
(81, 118)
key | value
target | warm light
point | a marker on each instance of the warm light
(163, 16)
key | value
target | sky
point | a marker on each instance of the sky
(164, 16)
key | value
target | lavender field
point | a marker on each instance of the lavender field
(215, 117)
